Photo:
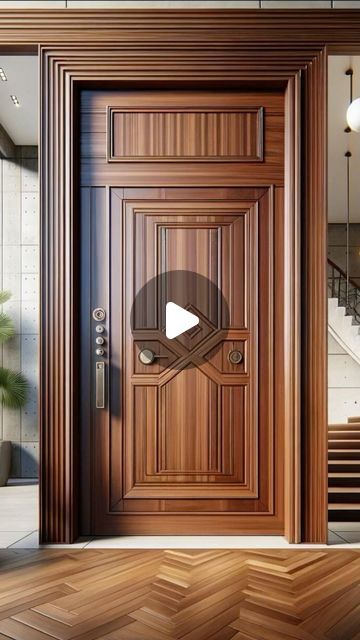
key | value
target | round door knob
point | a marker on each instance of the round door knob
(99, 352)
(146, 356)
(235, 357)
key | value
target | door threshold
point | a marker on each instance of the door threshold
(336, 539)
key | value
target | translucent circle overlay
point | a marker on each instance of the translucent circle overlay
(193, 292)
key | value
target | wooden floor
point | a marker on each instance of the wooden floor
(161, 595)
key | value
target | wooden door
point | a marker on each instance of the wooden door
(189, 183)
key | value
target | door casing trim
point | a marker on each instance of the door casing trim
(161, 47)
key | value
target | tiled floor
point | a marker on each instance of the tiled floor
(19, 530)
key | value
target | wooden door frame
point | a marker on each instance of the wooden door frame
(255, 48)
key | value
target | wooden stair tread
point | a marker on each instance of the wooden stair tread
(344, 474)
(344, 489)
(352, 451)
(352, 439)
(344, 462)
(348, 426)
(354, 506)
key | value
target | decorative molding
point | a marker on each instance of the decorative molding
(101, 28)
(61, 74)
(238, 127)
(206, 48)
(314, 375)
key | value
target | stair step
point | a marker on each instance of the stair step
(344, 481)
(344, 495)
(354, 506)
(344, 435)
(344, 474)
(343, 515)
(344, 471)
(354, 426)
(346, 462)
(344, 444)
(344, 454)
(339, 490)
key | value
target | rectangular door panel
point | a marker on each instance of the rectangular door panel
(191, 441)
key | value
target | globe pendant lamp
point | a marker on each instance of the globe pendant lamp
(353, 111)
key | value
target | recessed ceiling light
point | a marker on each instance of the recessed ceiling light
(2, 74)
(15, 101)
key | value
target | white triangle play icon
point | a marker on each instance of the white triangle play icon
(178, 320)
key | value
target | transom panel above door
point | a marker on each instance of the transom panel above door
(190, 438)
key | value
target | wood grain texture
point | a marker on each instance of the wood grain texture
(26, 28)
(172, 133)
(197, 441)
(199, 142)
(179, 594)
(314, 303)
(216, 49)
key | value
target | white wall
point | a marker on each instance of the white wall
(344, 384)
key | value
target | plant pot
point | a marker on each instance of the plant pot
(5, 461)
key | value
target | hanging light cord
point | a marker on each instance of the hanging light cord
(347, 156)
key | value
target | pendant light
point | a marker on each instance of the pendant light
(353, 111)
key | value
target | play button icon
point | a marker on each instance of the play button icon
(178, 320)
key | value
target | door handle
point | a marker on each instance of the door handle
(146, 356)
(100, 385)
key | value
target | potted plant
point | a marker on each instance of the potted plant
(13, 389)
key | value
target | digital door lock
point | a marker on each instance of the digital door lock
(99, 316)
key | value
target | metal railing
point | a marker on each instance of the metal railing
(345, 289)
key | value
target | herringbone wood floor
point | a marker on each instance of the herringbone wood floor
(193, 595)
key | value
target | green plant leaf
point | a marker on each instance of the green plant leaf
(4, 296)
(13, 388)
(6, 327)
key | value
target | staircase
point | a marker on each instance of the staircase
(344, 471)
(344, 310)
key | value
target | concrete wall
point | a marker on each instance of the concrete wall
(19, 247)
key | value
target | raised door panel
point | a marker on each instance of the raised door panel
(192, 425)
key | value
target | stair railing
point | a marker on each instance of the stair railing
(345, 289)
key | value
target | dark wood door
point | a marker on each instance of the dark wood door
(189, 184)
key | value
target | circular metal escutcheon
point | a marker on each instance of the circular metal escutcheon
(235, 357)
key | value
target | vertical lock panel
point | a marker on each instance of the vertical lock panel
(100, 385)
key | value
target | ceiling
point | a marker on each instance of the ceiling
(21, 123)
(339, 142)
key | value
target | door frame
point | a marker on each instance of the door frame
(113, 47)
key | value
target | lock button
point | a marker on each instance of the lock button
(99, 314)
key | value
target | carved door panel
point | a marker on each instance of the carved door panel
(191, 441)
